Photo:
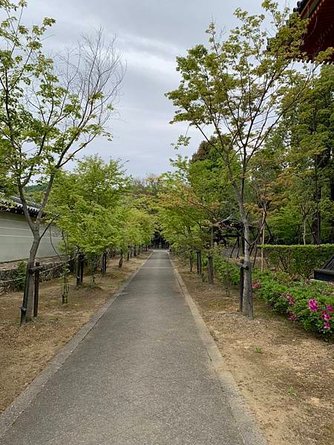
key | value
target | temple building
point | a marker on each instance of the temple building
(320, 31)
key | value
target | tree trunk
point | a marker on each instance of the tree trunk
(210, 270)
(120, 262)
(304, 232)
(66, 286)
(104, 263)
(80, 269)
(210, 259)
(199, 262)
(191, 261)
(28, 296)
(263, 238)
(316, 228)
(332, 198)
(247, 291)
(316, 223)
(93, 268)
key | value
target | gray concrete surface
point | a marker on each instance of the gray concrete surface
(16, 239)
(141, 376)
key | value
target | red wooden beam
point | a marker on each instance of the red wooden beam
(320, 30)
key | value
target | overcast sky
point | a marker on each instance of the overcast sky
(150, 34)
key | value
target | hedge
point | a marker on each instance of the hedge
(309, 303)
(298, 260)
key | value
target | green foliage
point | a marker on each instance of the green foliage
(298, 260)
(239, 86)
(100, 182)
(35, 192)
(182, 215)
(311, 304)
(50, 109)
(20, 275)
(292, 392)
(48, 113)
(226, 271)
(237, 83)
(193, 199)
(93, 208)
(302, 207)
(285, 224)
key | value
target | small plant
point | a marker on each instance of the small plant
(20, 277)
(226, 271)
(292, 392)
(258, 350)
(65, 284)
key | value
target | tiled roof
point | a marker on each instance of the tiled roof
(300, 6)
(13, 204)
(320, 29)
(307, 7)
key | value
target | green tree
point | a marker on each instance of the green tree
(236, 86)
(301, 208)
(96, 211)
(49, 113)
(181, 215)
(138, 228)
(87, 204)
(310, 127)
(190, 205)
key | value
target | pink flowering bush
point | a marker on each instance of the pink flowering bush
(291, 299)
(313, 305)
(310, 304)
(292, 316)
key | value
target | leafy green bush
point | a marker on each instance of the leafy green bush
(20, 275)
(226, 271)
(298, 260)
(309, 303)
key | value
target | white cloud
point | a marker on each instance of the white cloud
(152, 45)
(149, 63)
(150, 34)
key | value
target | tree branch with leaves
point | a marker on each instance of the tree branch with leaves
(234, 88)
(50, 110)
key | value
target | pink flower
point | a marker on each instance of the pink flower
(292, 316)
(329, 308)
(256, 285)
(290, 299)
(325, 316)
(327, 325)
(313, 305)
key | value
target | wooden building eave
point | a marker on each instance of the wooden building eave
(320, 30)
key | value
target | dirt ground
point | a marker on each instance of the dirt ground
(285, 374)
(25, 351)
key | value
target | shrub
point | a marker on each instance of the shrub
(309, 303)
(20, 275)
(298, 260)
(226, 271)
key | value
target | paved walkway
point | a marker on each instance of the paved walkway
(142, 376)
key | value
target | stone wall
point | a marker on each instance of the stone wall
(12, 274)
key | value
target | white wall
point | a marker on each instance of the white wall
(16, 239)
